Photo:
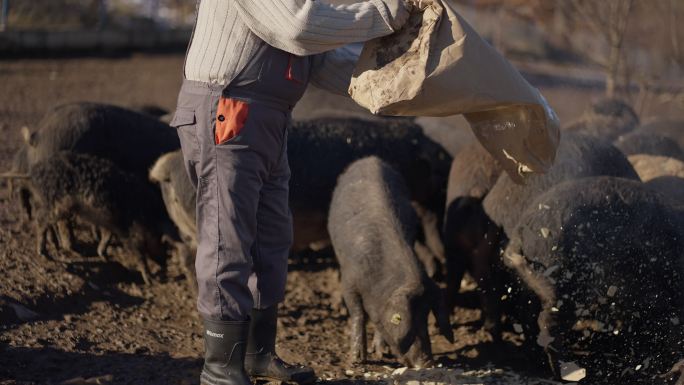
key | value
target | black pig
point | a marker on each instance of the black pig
(130, 139)
(100, 193)
(601, 263)
(372, 227)
(640, 142)
(606, 119)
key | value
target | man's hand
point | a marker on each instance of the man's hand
(399, 12)
(417, 5)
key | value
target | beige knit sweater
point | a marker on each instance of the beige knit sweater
(228, 32)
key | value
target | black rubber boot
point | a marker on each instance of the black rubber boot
(224, 353)
(262, 362)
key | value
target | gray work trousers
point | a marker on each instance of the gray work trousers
(244, 224)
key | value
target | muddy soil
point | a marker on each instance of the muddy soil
(80, 320)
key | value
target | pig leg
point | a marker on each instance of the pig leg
(439, 310)
(455, 267)
(187, 260)
(65, 235)
(430, 227)
(544, 290)
(489, 296)
(426, 257)
(143, 267)
(432, 238)
(94, 232)
(105, 237)
(25, 201)
(136, 245)
(41, 241)
(357, 326)
(378, 345)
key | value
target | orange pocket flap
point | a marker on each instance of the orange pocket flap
(231, 115)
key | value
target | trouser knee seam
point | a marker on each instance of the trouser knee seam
(214, 158)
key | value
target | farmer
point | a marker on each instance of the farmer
(248, 64)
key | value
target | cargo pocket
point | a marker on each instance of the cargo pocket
(183, 117)
(185, 123)
(231, 116)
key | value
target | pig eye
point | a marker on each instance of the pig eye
(396, 319)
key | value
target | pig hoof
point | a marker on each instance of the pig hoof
(358, 357)
(378, 347)
(102, 253)
(146, 277)
(45, 254)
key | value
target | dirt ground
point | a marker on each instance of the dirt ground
(81, 320)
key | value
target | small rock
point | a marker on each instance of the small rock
(570, 371)
(399, 372)
(349, 372)
(612, 290)
(518, 328)
(545, 232)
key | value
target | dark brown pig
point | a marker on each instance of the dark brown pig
(470, 238)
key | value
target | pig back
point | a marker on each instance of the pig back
(372, 227)
(133, 141)
(578, 156)
(320, 150)
(612, 252)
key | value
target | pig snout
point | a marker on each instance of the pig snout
(419, 354)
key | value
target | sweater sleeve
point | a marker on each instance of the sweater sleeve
(306, 27)
(332, 71)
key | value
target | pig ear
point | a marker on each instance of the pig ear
(29, 137)
(439, 309)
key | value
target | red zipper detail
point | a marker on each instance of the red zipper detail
(288, 73)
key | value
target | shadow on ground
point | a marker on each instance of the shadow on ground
(99, 279)
(52, 366)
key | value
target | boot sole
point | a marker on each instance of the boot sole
(206, 379)
(290, 382)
